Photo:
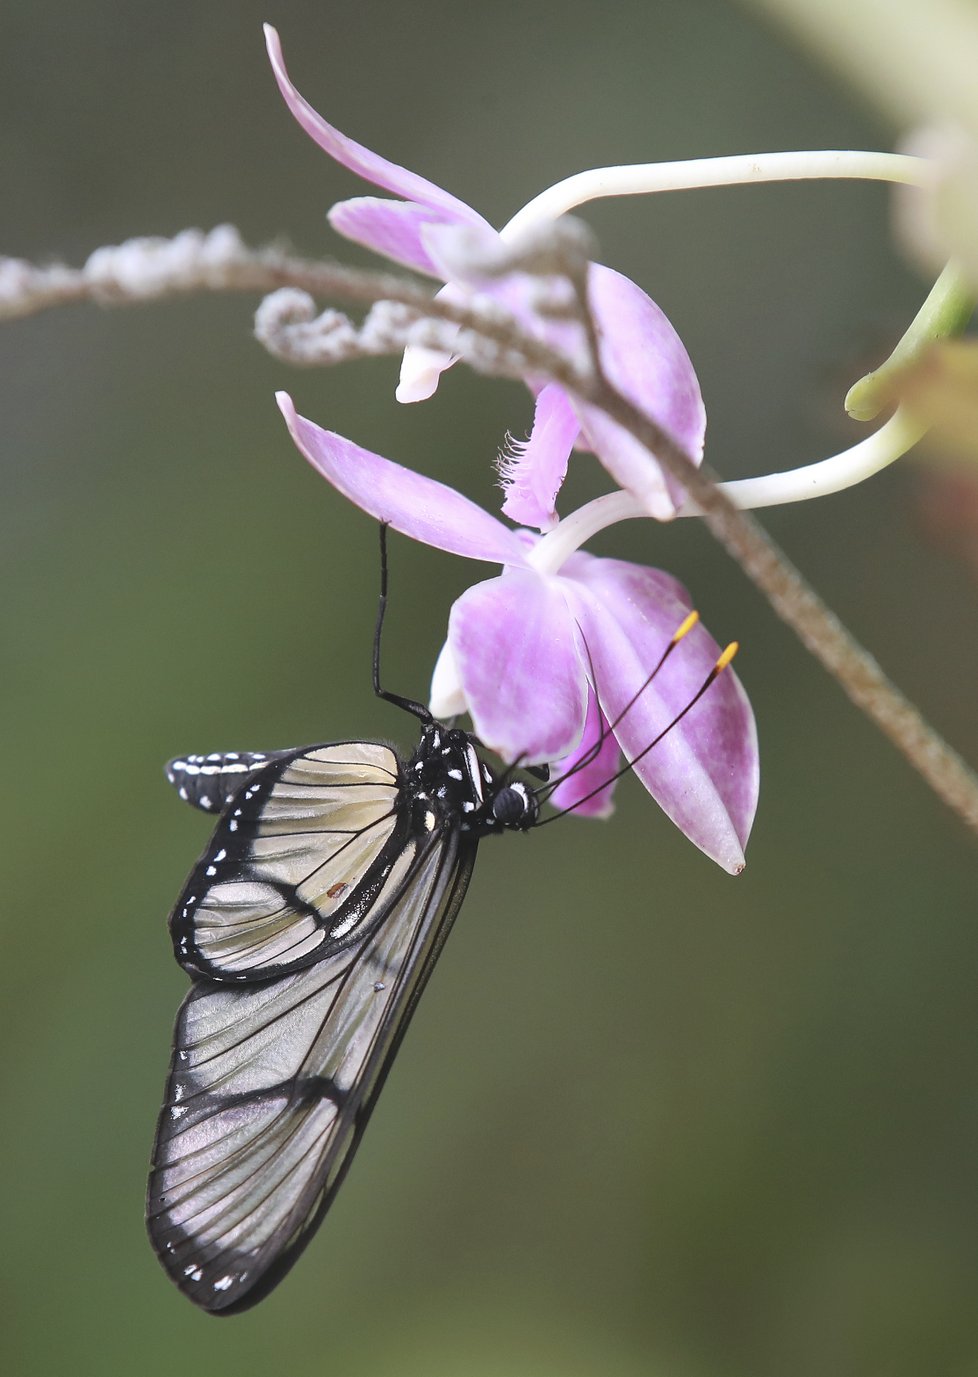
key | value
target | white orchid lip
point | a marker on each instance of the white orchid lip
(447, 697)
(420, 371)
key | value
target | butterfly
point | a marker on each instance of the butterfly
(310, 926)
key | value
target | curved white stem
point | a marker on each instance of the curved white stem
(841, 471)
(639, 179)
(569, 535)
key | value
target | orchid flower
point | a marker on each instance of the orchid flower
(640, 352)
(551, 657)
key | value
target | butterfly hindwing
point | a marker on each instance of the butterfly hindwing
(271, 1085)
(313, 846)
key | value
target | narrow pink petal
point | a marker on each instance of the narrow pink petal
(353, 155)
(514, 643)
(412, 504)
(532, 471)
(647, 362)
(391, 228)
(704, 772)
(588, 788)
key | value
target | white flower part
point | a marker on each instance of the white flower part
(939, 220)
(844, 470)
(643, 179)
(447, 698)
(420, 370)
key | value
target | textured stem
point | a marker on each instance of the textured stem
(142, 270)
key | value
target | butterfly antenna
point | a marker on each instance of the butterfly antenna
(722, 662)
(408, 704)
(607, 728)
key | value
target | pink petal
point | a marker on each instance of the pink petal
(704, 772)
(412, 504)
(587, 789)
(354, 156)
(620, 581)
(392, 228)
(514, 643)
(647, 362)
(533, 470)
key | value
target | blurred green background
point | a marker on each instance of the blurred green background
(649, 1119)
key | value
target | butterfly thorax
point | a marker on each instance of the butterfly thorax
(448, 779)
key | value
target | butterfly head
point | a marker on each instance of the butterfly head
(513, 805)
(448, 772)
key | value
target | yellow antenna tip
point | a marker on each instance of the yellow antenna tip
(727, 656)
(686, 627)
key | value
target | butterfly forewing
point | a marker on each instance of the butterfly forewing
(313, 846)
(271, 1085)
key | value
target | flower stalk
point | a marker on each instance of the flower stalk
(643, 179)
